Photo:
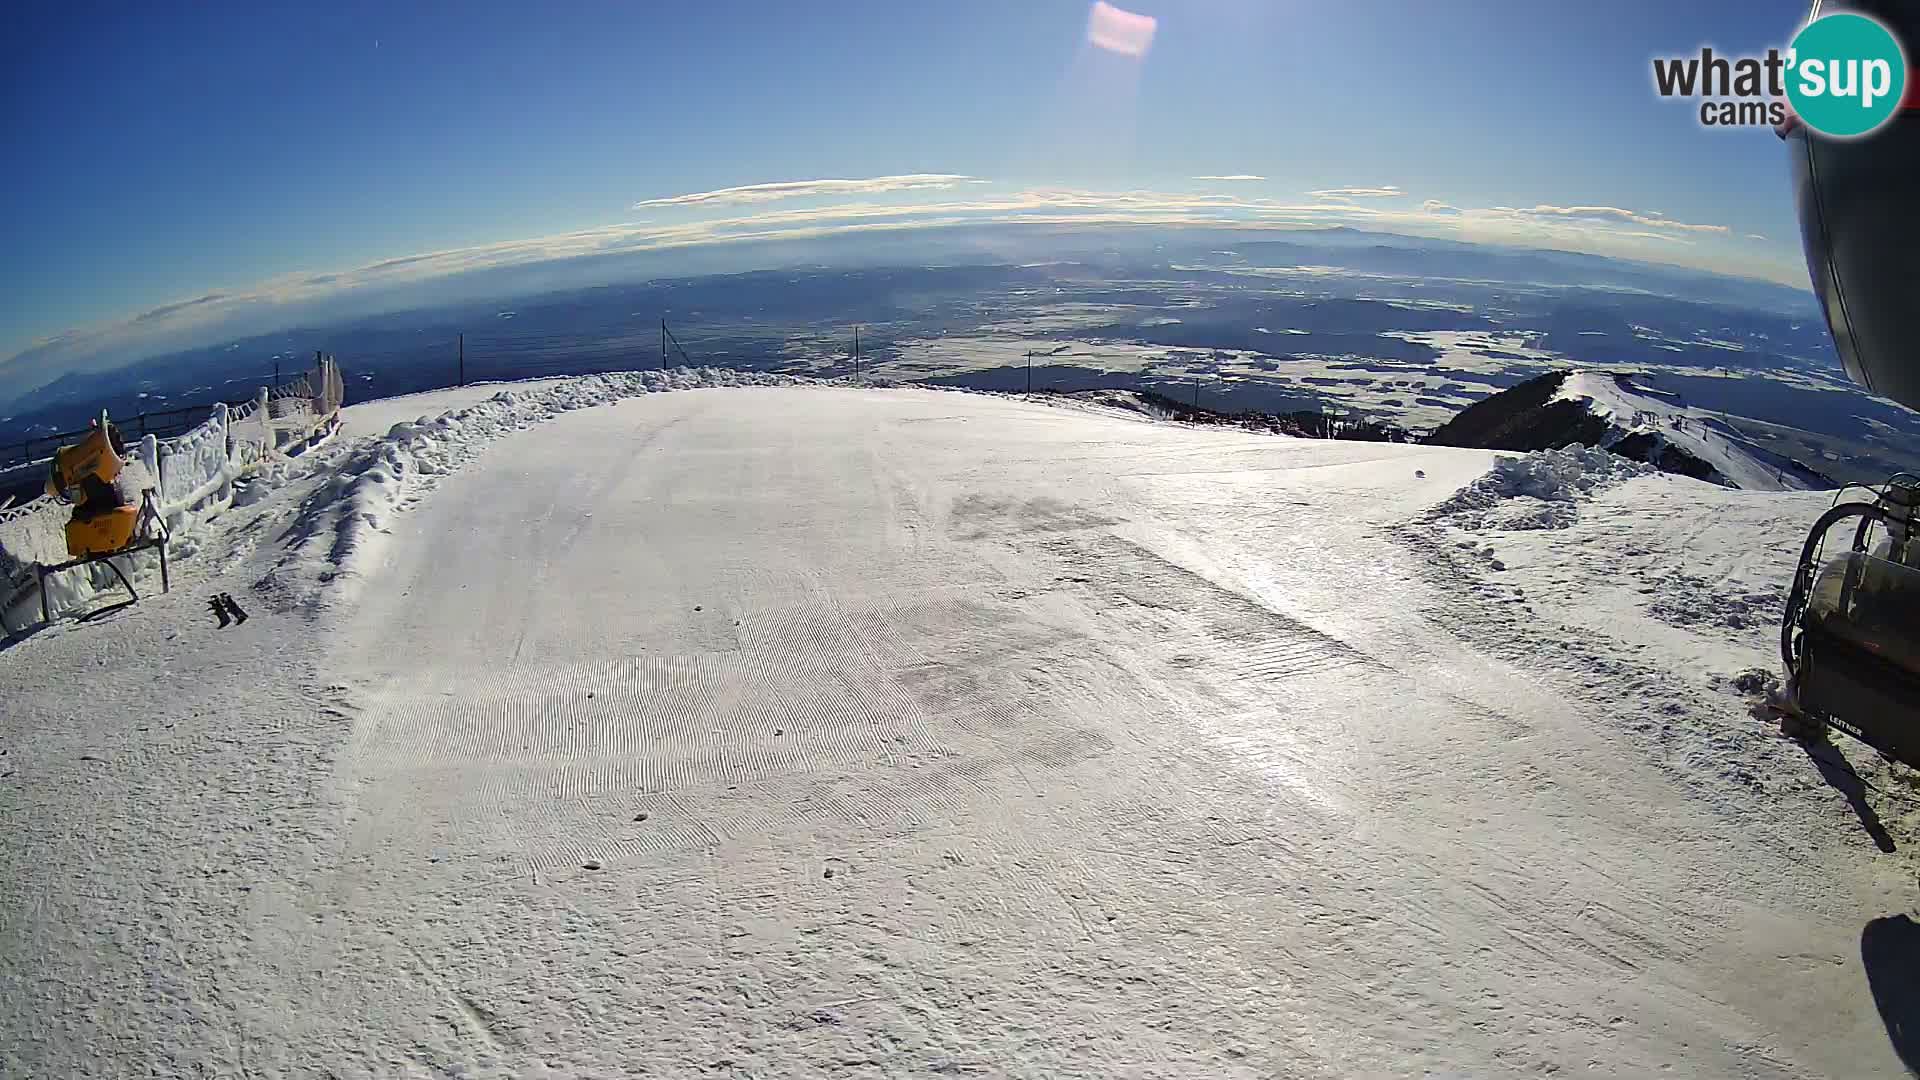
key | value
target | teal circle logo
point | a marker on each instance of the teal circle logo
(1846, 74)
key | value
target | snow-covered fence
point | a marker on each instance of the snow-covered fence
(192, 474)
(249, 438)
(158, 422)
(197, 468)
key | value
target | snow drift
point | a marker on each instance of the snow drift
(1539, 490)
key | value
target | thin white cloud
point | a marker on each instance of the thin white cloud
(810, 189)
(1756, 236)
(1665, 238)
(1650, 219)
(1384, 191)
(1435, 206)
(1236, 177)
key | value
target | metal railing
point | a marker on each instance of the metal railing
(164, 423)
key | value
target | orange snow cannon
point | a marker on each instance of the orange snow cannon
(83, 474)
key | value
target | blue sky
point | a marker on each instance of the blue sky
(256, 155)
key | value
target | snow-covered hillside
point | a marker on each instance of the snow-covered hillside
(1637, 409)
(793, 730)
(1630, 416)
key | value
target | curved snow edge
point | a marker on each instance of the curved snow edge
(338, 533)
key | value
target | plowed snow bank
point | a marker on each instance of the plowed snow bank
(1540, 490)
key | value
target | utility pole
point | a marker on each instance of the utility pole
(1196, 397)
(856, 352)
(1029, 371)
(463, 359)
(663, 343)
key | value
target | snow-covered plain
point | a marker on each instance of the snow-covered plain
(773, 731)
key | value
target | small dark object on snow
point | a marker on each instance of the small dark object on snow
(779, 731)
(641, 816)
(234, 607)
(590, 864)
(219, 612)
(696, 607)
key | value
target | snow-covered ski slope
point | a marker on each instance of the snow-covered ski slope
(796, 731)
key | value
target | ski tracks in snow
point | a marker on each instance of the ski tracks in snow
(830, 746)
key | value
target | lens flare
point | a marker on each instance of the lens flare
(1120, 31)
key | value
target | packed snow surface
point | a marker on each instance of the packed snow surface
(795, 731)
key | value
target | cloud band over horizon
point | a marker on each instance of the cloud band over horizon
(225, 314)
